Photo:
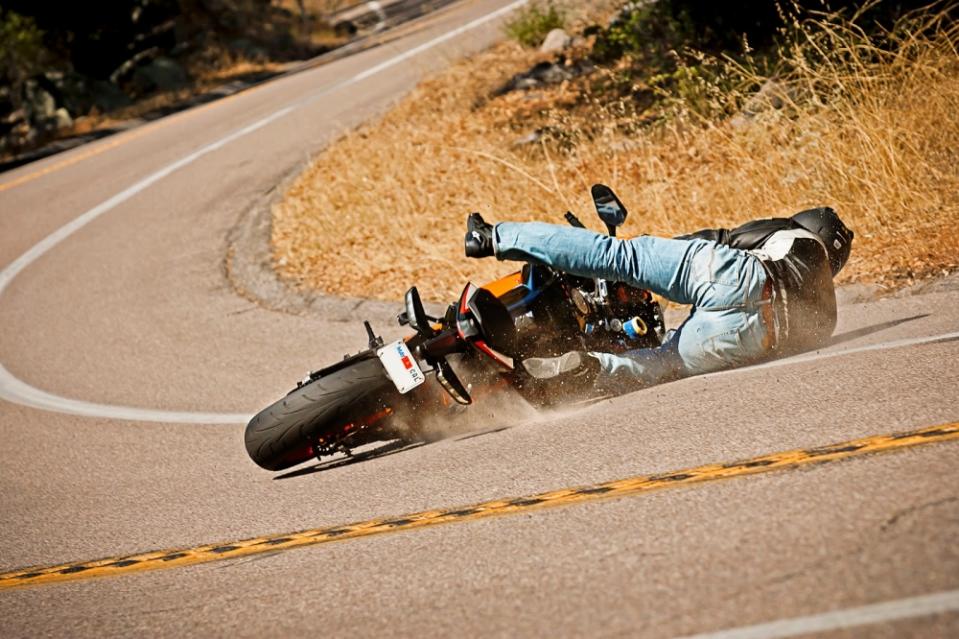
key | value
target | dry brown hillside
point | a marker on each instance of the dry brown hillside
(863, 122)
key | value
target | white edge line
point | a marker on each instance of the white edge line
(818, 355)
(14, 390)
(922, 606)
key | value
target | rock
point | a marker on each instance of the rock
(61, 119)
(13, 120)
(6, 126)
(162, 74)
(131, 64)
(525, 83)
(530, 138)
(545, 73)
(39, 103)
(625, 146)
(643, 98)
(555, 41)
(70, 90)
(29, 138)
(14, 129)
(551, 74)
(772, 96)
(107, 96)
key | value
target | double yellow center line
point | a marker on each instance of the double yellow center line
(640, 484)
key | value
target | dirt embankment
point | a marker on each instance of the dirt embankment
(864, 122)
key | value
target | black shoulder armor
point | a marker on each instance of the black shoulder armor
(750, 235)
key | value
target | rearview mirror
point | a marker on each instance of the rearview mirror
(611, 211)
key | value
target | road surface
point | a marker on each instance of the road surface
(129, 360)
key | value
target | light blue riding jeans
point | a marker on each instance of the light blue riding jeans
(723, 285)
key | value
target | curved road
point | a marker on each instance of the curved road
(133, 309)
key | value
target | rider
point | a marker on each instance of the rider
(763, 289)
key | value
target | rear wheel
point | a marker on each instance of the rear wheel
(285, 433)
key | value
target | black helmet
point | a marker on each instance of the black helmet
(824, 222)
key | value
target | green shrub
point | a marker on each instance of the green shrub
(533, 22)
(21, 46)
(646, 33)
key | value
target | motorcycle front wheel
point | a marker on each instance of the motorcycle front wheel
(285, 433)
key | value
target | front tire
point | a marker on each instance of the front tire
(284, 433)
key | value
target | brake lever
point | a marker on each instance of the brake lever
(573, 220)
(451, 383)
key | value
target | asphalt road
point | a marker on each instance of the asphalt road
(134, 309)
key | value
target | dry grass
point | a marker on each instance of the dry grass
(871, 132)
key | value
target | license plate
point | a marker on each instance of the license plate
(401, 366)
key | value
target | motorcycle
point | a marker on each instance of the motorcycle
(385, 391)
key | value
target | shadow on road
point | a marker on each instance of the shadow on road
(485, 432)
(390, 448)
(869, 330)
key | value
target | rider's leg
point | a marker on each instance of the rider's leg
(645, 365)
(697, 272)
(714, 339)
(707, 341)
(724, 285)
